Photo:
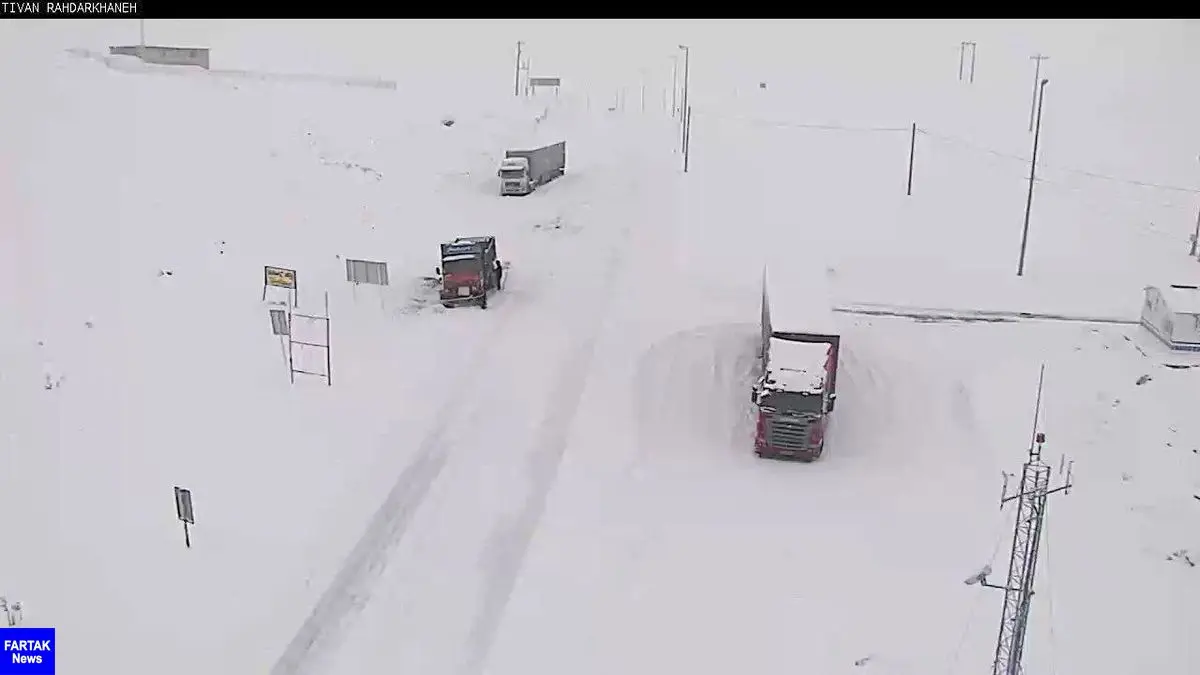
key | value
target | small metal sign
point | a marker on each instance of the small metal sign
(279, 277)
(183, 511)
(545, 81)
(366, 272)
(183, 505)
(279, 322)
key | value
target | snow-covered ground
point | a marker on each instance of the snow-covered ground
(565, 482)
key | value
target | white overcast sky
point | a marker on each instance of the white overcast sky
(601, 56)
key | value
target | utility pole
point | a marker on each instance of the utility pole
(642, 72)
(1037, 131)
(1196, 234)
(517, 71)
(962, 55)
(1031, 497)
(687, 137)
(687, 58)
(674, 83)
(1037, 77)
(912, 151)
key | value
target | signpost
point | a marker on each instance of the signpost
(279, 277)
(535, 82)
(368, 272)
(183, 511)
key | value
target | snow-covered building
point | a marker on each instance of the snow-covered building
(1172, 314)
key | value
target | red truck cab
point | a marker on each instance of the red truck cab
(798, 365)
(468, 271)
(794, 397)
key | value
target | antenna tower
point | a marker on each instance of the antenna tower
(1031, 499)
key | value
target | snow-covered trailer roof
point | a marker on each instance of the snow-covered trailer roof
(798, 298)
(797, 366)
(1182, 298)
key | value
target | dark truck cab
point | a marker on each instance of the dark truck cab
(468, 271)
(797, 387)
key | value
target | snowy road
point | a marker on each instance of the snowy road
(439, 559)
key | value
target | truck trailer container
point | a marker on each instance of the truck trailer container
(523, 171)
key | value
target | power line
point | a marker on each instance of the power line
(1050, 609)
(1046, 165)
(949, 139)
(976, 602)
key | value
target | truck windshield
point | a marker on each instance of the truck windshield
(463, 266)
(512, 174)
(792, 401)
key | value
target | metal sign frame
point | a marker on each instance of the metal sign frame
(280, 277)
(184, 512)
(360, 272)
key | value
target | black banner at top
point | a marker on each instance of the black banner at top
(183, 9)
(71, 9)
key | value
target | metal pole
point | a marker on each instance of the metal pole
(642, 71)
(1037, 77)
(912, 151)
(962, 50)
(1196, 235)
(1037, 131)
(687, 137)
(517, 71)
(142, 31)
(687, 78)
(687, 59)
(973, 46)
(674, 83)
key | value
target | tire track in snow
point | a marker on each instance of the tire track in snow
(350, 589)
(511, 544)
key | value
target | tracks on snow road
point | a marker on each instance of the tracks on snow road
(549, 448)
(351, 586)
(460, 510)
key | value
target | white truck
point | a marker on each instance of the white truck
(522, 171)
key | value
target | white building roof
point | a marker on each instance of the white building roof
(797, 366)
(1182, 298)
(799, 297)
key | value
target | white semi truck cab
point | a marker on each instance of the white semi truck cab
(522, 171)
(514, 176)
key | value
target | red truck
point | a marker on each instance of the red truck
(798, 360)
(469, 271)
